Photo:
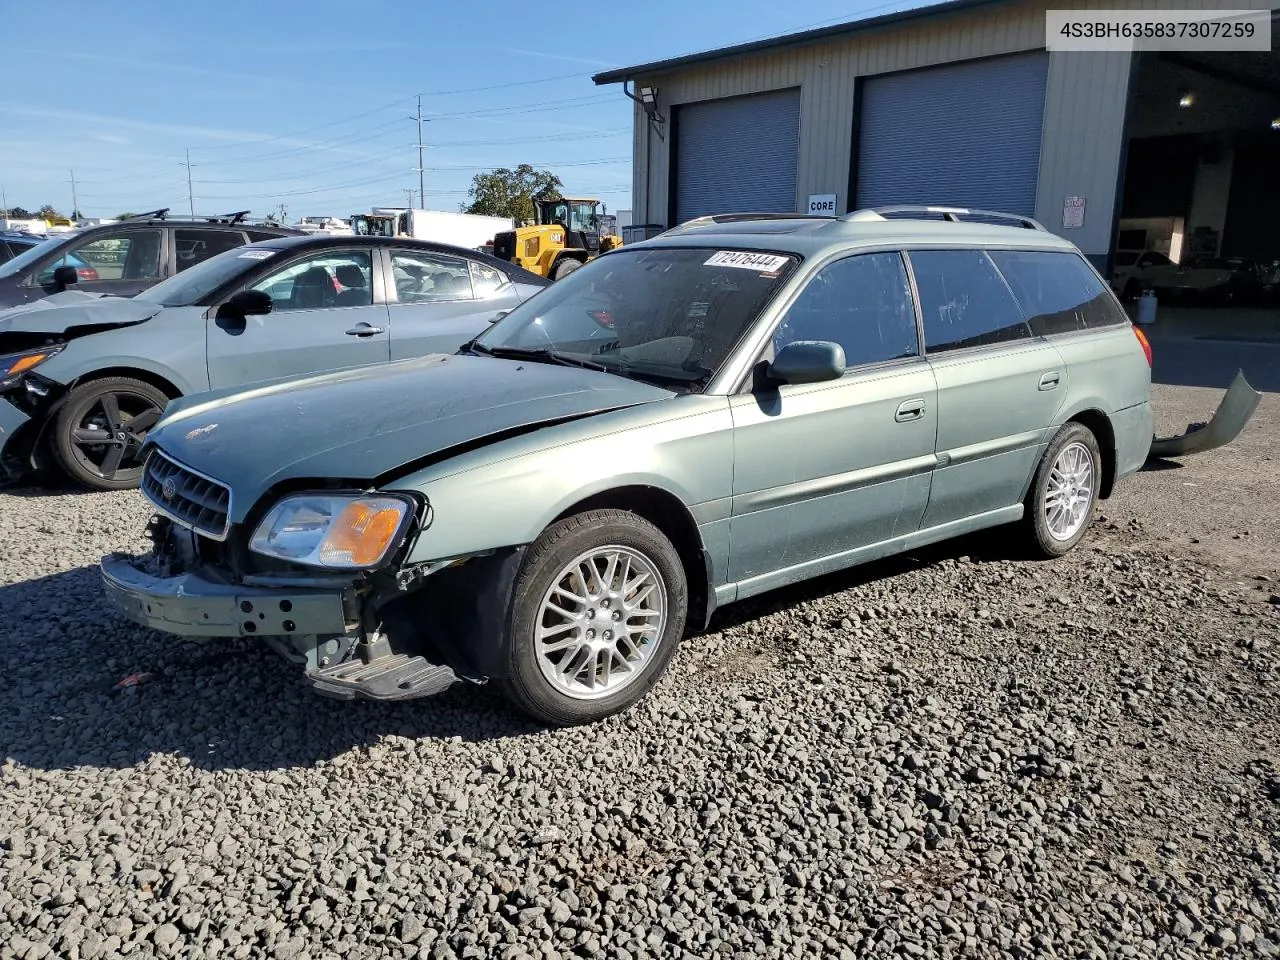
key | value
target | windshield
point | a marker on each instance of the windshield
(192, 285)
(672, 315)
(24, 260)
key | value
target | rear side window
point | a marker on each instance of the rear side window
(196, 246)
(1057, 291)
(965, 301)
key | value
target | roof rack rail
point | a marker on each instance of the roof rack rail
(740, 218)
(150, 215)
(951, 214)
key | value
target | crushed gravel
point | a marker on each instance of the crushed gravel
(954, 753)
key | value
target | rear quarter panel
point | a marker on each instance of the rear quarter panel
(1107, 371)
(507, 493)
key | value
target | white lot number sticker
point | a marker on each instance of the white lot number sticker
(761, 262)
(256, 254)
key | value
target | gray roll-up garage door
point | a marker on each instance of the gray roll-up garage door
(737, 155)
(966, 134)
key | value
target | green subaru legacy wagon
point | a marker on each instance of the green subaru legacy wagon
(740, 403)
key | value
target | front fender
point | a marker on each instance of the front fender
(508, 501)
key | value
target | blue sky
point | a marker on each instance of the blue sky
(308, 103)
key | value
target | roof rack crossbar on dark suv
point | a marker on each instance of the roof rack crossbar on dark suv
(952, 214)
(150, 215)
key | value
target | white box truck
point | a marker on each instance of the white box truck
(468, 230)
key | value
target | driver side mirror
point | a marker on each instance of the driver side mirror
(808, 361)
(246, 303)
(64, 277)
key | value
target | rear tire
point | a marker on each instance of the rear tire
(565, 267)
(1064, 492)
(585, 647)
(100, 429)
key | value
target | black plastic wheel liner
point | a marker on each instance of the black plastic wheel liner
(460, 616)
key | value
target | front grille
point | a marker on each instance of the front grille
(504, 245)
(186, 497)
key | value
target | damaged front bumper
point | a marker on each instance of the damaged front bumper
(190, 606)
(319, 629)
(1233, 413)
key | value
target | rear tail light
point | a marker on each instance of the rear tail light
(1146, 344)
(86, 273)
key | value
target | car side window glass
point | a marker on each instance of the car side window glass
(965, 301)
(194, 246)
(1058, 292)
(334, 278)
(430, 277)
(862, 303)
(485, 280)
(134, 255)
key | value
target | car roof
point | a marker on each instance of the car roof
(313, 241)
(817, 236)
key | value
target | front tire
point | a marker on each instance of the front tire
(564, 268)
(600, 604)
(1064, 492)
(99, 432)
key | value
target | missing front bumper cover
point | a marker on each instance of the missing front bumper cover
(190, 606)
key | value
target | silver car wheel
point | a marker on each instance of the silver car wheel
(600, 622)
(1069, 493)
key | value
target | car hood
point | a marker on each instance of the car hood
(71, 309)
(369, 423)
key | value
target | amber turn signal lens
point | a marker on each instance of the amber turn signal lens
(361, 534)
(1146, 344)
(29, 361)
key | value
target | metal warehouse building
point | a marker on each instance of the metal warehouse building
(960, 103)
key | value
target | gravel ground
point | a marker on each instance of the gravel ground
(954, 753)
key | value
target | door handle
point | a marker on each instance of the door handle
(363, 329)
(1049, 380)
(909, 410)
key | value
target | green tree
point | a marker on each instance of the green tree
(123, 216)
(47, 212)
(19, 213)
(510, 193)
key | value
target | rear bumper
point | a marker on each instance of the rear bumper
(189, 606)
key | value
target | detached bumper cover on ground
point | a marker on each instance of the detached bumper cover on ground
(1237, 406)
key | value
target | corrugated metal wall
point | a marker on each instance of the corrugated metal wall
(1083, 124)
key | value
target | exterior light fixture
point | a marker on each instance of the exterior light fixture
(1275, 124)
(647, 97)
(1186, 99)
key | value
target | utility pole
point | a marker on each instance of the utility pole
(422, 170)
(4, 204)
(408, 192)
(75, 206)
(191, 201)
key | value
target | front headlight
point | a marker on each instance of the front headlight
(338, 531)
(14, 365)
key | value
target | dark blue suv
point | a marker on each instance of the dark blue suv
(122, 258)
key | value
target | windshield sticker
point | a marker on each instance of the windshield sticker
(256, 255)
(767, 263)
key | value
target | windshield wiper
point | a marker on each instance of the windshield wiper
(540, 354)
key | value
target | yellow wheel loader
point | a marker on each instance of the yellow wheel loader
(565, 234)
